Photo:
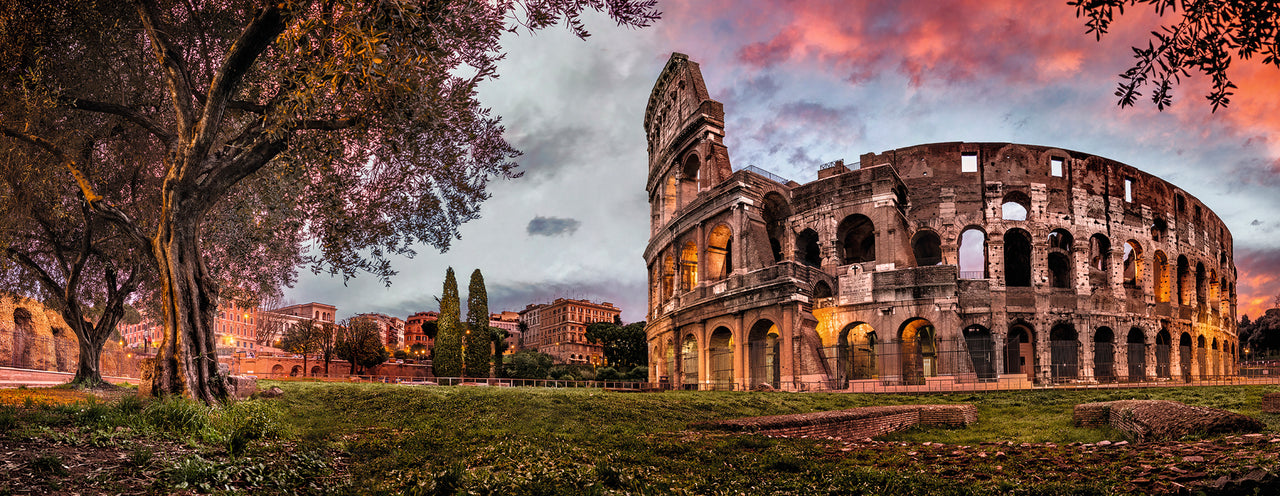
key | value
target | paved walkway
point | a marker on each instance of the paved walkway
(14, 377)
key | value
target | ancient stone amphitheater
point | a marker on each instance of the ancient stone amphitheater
(933, 265)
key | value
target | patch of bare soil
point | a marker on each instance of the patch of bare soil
(61, 464)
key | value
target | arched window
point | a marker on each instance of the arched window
(1015, 206)
(1064, 352)
(1059, 259)
(928, 248)
(807, 243)
(821, 290)
(1104, 354)
(1137, 354)
(1161, 263)
(776, 211)
(973, 254)
(719, 257)
(1185, 284)
(669, 198)
(1132, 264)
(1017, 258)
(857, 239)
(1201, 287)
(1099, 260)
(668, 277)
(690, 183)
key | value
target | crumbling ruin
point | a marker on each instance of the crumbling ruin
(928, 265)
(35, 337)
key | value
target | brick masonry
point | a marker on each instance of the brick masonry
(1152, 420)
(853, 423)
(1271, 403)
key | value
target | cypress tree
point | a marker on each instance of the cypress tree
(448, 350)
(478, 352)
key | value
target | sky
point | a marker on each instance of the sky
(804, 83)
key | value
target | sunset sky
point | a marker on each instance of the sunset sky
(805, 83)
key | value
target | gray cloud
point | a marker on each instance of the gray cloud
(552, 226)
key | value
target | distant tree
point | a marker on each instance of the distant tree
(430, 328)
(1208, 36)
(624, 346)
(360, 344)
(400, 354)
(529, 364)
(327, 342)
(1261, 336)
(447, 360)
(418, 350)
(478, 350)
(499, 338)
(302, 338)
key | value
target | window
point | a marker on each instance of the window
(969, 162)
(1128, 190)
(1055, 166)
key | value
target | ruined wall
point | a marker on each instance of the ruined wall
(35, 337)
(946, 261)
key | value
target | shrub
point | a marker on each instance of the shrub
(608, 374)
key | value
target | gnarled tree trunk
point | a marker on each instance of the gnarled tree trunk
(187, 361)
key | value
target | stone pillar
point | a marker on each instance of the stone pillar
(787, 360)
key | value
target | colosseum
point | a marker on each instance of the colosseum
(933, 265)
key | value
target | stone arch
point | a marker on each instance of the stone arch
(919, 350)
(1137, 354)
(1059, 257)
(720, 358)
(719, 254)
(295, 371)
(822, 290)
(1161, 264)
(668, 358)
(277, 370)
(1020, 350)
(1133, 269)
(1185, 283)
(689, 266)
(668, 277)
(1016, 205)
(1099, 260)
(927, 248)
(1104, 354)
(856, 239)
(689, 347)
(1064, 352)
(972, 253)
(1017, 258)
(1163, 354)
(982, 353)
(857, 357)
(1215, 360)
(669, 188)
(808, 249)
(775, 213)
(316, 370)
(691, 180)
(24, 338)
(1201, 357)
(763, 354)
(1185, 356)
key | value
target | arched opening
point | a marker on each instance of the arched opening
(1059, 258)
(277, 370)
(1099, 261)
(1201, 290)
(1159, 228)
(669, 188)
(982, 353)
(316, 371)
(1132, 264)
(689, 266)
(807, 244)
(293, 372)
(690, 178)
(927, 247)
(1015, 206)
(668, 277)
(719, 258)
(1137, 355)
(668, 359)
(775, 213)
(762, 353)
(23, 338)
(1017, 258)
(1161, 263)
(821, 290)
(1064, 353)
(973, 254)
(857, 239)
(1185, 284)
(919, 351)
(1104, 355)
(1184, 356)
(1215, 367)
(1019, 351)
(856, 359)
(1163, 354)
(1201, 357)
(689, 361)
(721, 353)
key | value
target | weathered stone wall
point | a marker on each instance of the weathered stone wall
(1108, 274)
(853, 423)
(1150, 420)
(35, 337)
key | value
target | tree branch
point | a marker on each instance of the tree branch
(119, 110)
(328, 125)
(176, 76)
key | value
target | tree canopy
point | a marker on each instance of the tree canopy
(1206, 37)
(447, 354)
(479, 353)
(356, 123)
(624, 345)
(359, 342)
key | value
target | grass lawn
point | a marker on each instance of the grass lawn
(375, 438)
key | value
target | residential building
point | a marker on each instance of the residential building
(559, 329)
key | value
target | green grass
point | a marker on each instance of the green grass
(387, 439)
